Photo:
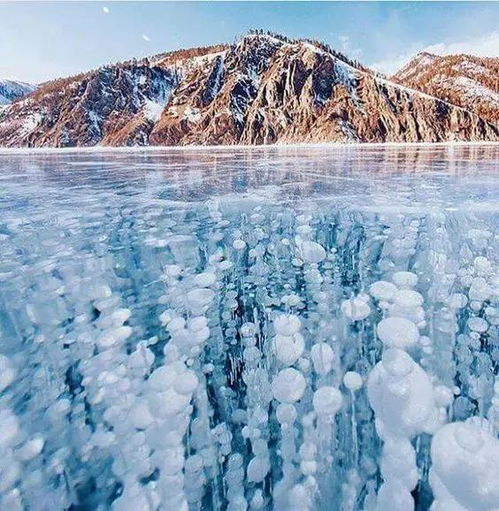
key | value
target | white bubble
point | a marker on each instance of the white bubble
(288, 349)
(186, 382)
(173, 270)
(443, 395)
(397, 332)
(287, 324)
(482, 265)
(312, 252)
(322, 358)
(258, 468)
(408, 298)
(405, 279)
(175, 324)
(478, 325)
(7, 372)
(464, 464)
(200, 298)
(162, 378)
(457, 301)
(356, 309)
(140, 416)
(352, 380)
(9, 424)
(383, 290)
(479, 290)
(239, 244)
(327, 400)
(288, 386)
(401, 395)
(31, 448)
(205, 279)
(286, 413)
(113, 336)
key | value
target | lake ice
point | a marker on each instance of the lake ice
(289, 329)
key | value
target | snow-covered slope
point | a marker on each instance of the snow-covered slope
(465, 80)
(263, 89)
(11, 90)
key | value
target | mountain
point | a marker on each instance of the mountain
(262, 89)
(11, 90)
(464, 80)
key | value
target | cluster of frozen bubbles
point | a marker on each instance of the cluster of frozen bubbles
(251, 358)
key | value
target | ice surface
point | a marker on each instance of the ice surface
(309, 329)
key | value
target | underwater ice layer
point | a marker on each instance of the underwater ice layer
(267, 329)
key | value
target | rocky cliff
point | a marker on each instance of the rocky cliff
(263, 89)
(465, 80)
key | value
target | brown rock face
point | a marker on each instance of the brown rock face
(261, 90)
(464, 80)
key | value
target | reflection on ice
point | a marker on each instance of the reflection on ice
(257, 329)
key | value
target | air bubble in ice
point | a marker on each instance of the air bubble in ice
(322, 358)
(312, 252)
(356, 309)
(382, 290)
(401, 394)
(286, 413)
(352, 380)
(258, 468)
(327, 400)
(239, 244)
(288, 385)
(287, 324)
(199, 299)
(478, 325)
(465, 471)
(405, 279)
(397, 332)
(7, 372)
(289, 349)
(408, 298)
(205, 279)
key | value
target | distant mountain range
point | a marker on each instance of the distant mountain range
(263, 89)
(11, 90)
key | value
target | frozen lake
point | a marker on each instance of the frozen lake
(289, 329)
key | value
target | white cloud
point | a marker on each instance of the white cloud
(390, 66)
(486, 45)
(347, 48)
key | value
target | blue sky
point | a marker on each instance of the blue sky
(43, 40)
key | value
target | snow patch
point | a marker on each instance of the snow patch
(471, 67)
(192, 114)
(153, 110)
(30, 123)
(473, 88)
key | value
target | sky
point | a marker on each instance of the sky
(44, 40)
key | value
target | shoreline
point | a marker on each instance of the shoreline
(303, 145)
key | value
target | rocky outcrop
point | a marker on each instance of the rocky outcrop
(264, 89)
(464, 80)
